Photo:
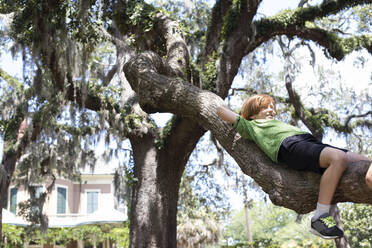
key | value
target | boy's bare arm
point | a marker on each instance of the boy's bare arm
(226, 114)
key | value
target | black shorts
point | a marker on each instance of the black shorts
(302, 152)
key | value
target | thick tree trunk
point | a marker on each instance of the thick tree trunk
(150, 217)
(158, 173)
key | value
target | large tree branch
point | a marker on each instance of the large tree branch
(214, 29)
(179, 132)
(237, 37)
(174, 95)
(298, 16)
(243, 36)
(177, 51)
(293, 23)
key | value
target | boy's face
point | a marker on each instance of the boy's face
(267, 112)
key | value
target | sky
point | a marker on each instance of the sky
(357, 78)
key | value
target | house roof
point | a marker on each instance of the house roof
(98, 217)
(12, 219)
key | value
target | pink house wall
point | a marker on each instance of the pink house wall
(75, 190)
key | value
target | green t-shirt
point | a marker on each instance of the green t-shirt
(267, 134)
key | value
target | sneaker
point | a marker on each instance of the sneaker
(325, 227)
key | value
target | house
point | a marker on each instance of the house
(88, 201)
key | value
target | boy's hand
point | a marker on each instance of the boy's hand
(226, 114)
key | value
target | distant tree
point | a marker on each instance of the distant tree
(357, 219)
(274, 224)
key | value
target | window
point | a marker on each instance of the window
(13, 200)
(92, 202)
(61, 200)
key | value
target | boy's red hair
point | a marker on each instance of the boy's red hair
(254, 104)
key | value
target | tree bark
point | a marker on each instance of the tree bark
(7, 169)
(158, 173)
(248, 223)
(291, 189)
(246, 211)
(340, 242)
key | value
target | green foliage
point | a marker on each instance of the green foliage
(206, 77)
(59, 19)
(130, 15)
(259, 243)
(17, 236)
(337, 46)
(197, 219)
(11, 81)
(13, 235)
(166, 132)
(209, 73)
(120, 235)
(357, 219)
(201, 228)
(272, 226)
(133, 121)
(363, 17)
(11, 95)
(279, 21)
(300, 15)
(136, 19)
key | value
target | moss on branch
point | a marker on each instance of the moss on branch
(299, 22)
(298, 17)
(166, 132)
(339, 47)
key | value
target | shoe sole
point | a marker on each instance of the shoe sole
(315, 232)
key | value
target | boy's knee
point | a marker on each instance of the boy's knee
(340, 160)
(369, 177)
(335, 158)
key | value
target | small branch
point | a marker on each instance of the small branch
(110, 74)
(294, 99)
(219, 151)
(348, 119)
(248, 91)
(302, 3)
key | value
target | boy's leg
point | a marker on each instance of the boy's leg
(322, 223)
(336, 162)
(369, 177)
